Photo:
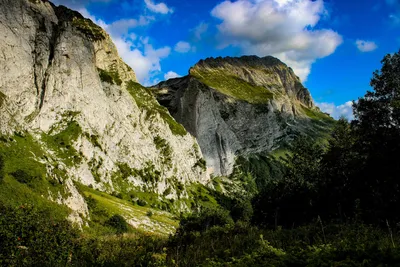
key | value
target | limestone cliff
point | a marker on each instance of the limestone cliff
(63, 86)
(240, 106)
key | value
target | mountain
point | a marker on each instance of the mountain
(241, 107)
(72, 114)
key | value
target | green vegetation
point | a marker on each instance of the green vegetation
(62, 142)
(111, 77)
(145, 100)
(94, 139)
(323, 204)
(118, 223)
(202, 164)
(25, 179)
(316, 115)
(103, 206)
(33, 237)
(89, 29)
(233, 86)
(165, 149)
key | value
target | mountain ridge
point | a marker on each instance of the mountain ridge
(239, 106)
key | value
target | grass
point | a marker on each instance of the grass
(145, 100)
(62, 143)
(316, 115)
(161, 222)
(233, 86)
(21, 154)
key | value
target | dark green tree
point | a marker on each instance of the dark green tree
(339, 167)
(118, 223)
(377, 126)
(292, 200)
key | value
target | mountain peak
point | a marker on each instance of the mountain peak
(243, 61)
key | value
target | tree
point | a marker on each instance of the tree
(118, 223)
(377, 126)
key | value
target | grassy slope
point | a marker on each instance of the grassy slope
(145, 100)
(144, 219)
(233, 86)
(23, 153)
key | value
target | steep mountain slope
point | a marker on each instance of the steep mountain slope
(240, 107)
(72, 111)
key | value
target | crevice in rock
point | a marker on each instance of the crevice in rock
(41, 64)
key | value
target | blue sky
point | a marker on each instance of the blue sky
(333, 45)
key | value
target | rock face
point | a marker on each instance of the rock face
(62, 82)
(239, 107)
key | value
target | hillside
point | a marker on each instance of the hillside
(241, 107)
(73, 113)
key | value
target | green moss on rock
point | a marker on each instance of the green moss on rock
(111, 77)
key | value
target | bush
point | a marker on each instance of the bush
(204, 220)
(22, 177)
(31, 237)
(141, 202)
(118, 223)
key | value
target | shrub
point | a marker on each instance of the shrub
(31, 237)
(141, 202)
(118, 223)
(22, 177)
(205, 219)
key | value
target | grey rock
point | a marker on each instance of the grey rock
(226, 126)
(50, 59)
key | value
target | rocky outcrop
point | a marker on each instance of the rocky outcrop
(239, 107)
(62, 82)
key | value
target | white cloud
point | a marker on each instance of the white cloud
(171, 75)
(282, 28)
(345, 110)
(182, 47)
(161, 8)
(122, 26)
(200, 30)
(366, 46)
(145, 62)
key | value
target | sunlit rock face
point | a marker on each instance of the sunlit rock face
(63, 82)
(239, 107)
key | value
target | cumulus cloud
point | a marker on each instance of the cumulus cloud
(171, 75)
(366, 46)
(161, 8)
(144, 61)
(282, 28)
(345, 110)
(182, 47)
